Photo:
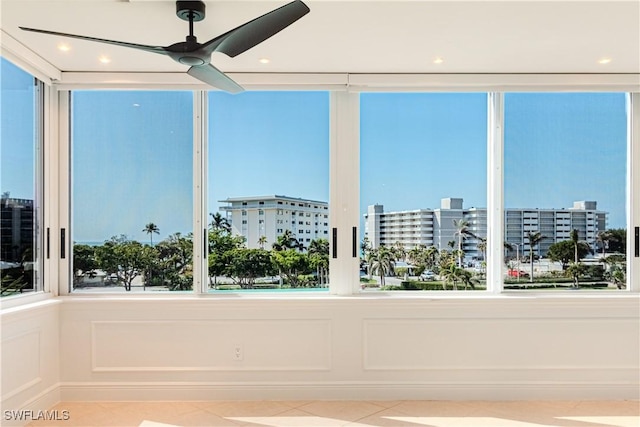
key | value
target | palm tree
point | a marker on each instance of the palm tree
(603, 238)
(262, 241)
(286, 241)
(218, 222)
(575, 239)
(382, 261)
(482, 246)
(319, 254)
(151, 229)
(463, 233)
(534, 238)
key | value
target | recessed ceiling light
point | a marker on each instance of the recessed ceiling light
(438, 60)
(64, 47)
(104, 59)
(604, 61)
(264, 60)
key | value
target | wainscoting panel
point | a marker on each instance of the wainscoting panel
(20, 363)
(498, 344)
(210, 345)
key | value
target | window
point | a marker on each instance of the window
(254, 139)
(573, 236)
(132, 197)
(21, 203)
(423, 153)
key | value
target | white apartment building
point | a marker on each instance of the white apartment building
(435, 226)
(269, 216)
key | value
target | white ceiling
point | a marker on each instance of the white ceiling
(509, 36)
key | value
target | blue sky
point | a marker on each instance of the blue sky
(17, 132)
(132, 152)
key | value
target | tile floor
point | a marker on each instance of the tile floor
(350, 413)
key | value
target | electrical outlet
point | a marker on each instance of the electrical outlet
(238, 352)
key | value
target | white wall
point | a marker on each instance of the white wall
(351, 347)
(392, 347)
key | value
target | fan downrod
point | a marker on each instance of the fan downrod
(192, 11)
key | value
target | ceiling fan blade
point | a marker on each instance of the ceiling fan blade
(214, 77)
(247, 35)
(154, 49)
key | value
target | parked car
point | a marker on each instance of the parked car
(427, 275)
(517, 273)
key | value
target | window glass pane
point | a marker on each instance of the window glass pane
(268, 191)
(132, 157)
(20, 258)
(423, 190)
(565, 180)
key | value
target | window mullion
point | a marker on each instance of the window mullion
(495, 191)
(344, 192)
(200, 238)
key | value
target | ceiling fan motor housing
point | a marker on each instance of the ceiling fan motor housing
(190, 10)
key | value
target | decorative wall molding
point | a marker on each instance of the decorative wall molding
(210, 345)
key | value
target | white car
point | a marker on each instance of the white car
(427, 275)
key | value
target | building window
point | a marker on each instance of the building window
(260, 212)
(132, 237)
(20, 160)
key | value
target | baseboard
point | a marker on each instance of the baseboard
(182, 391)
(42, 402)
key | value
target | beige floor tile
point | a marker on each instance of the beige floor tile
(262, 408)
(347, 411)
(291, 418)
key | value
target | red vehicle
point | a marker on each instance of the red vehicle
(517, 273)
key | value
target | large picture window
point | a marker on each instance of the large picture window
(268, 191)
(565, 191)
(21, 124)
(132, 191)
(423, 191)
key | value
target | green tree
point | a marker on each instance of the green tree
(533, 238)
(221, 243)
(123, 258)
(175, 261)
(618, 240)
(564, 252)
(244, 266)
(616, 271)
(262, 240)
(575, 271)
(84, 262)
(291, 264)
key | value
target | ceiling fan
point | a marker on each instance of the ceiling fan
(198, 55)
